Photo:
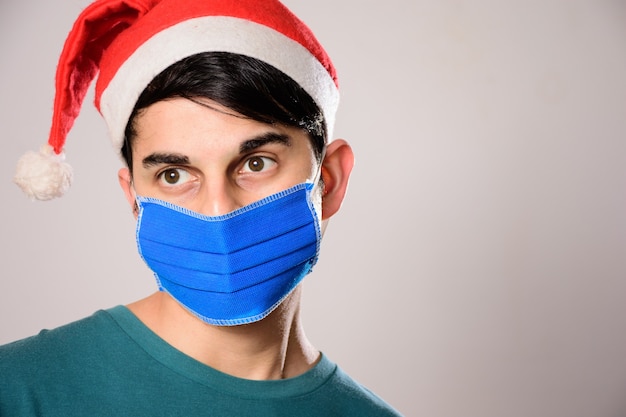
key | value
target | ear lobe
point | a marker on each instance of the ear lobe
(336, 169)
(126, 182)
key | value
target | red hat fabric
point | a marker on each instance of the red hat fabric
(129, 42)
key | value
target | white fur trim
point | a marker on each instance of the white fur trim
(43, 175)
(213, 33)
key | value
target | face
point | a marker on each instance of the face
(212, 161)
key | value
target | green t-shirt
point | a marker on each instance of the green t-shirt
(110, 364)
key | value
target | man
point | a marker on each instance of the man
(222, 112)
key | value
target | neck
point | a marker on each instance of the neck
(273, 348)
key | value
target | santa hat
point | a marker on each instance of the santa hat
(129, 42)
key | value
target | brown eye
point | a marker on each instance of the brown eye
(258, 164)
(174, 176)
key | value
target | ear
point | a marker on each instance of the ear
(126, 182)
(336, 169)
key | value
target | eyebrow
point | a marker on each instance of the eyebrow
(249, 145)
(264, 139)
(164, 159)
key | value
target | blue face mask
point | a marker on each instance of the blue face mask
(235, 268)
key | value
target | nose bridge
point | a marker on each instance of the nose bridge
(219, 197)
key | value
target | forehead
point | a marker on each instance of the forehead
(180, 123)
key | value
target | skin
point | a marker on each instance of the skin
(210, 160)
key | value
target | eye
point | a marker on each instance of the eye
(258, 164)
(174, 176)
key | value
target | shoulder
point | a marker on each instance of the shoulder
(352, 398)
(41, 372)
(59, 341)
(55, 354)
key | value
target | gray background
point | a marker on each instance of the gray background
(478, 266)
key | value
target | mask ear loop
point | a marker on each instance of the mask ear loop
(315, 201)
(318, 173)
(137, 202)
(315, 198)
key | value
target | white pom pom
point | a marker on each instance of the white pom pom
(43, 175)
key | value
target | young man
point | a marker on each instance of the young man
(222, 112)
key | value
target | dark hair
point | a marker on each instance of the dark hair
(243, 84)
